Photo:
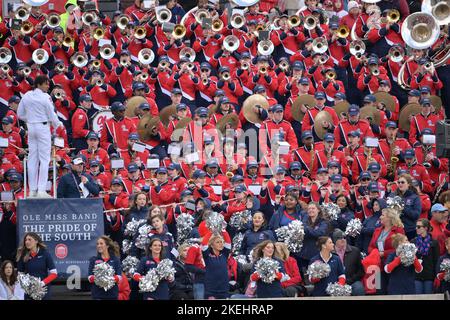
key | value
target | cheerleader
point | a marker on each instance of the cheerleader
(10, 288)
(34, 259)
(439, 282)
(154, 255)
(256, 234)
(107, 251)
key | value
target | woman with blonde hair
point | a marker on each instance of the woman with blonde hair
(401, 278)
(107, 251)
(293, 286)
(34, 259)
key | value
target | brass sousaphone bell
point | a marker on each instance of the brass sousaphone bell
(420, 30)
(249, 103)
(305, 99)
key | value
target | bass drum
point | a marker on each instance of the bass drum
(99, 118)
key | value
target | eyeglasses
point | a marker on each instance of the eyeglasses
(402, 182)
(418, 227)
(365, 179)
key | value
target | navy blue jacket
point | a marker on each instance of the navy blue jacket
(309, 248)
(343, 218)
(166, 239)
(270, 290)
(411, 212)
(252, 238)
(445, 285)
(401, 279)
(369, 226)
(337, 270)
(216, 273)
(275, 221)
(136, 214)
(68, 189)
(100, 293)
(162, 290)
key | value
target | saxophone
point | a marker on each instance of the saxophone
(369, 159)
(312, 153)
(393, 159)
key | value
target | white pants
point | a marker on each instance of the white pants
(39, 146)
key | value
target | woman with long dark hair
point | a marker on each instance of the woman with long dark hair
(34, 259)
(9, 286)
(256, 233)
(345, 215)
(287, 213)
(370, 224)
(107, 251)
(138, 209)
(413, 204)
(154, 255)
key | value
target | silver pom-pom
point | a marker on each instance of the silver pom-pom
(32, 286)
(292, 235)
(132, 227)
(149, 282)
(318, 270)
(126, 246)
(407, 253)
(330, 211)
(240, 219)
(237, 243)
(396, 203)
(143, 239)
(215, 222)
(165, 269)
(104, 276)
(337, 290)
(445, 266)
(267, 269)
(353, 228)
(185, 223)
(282, 233)
(129, 265)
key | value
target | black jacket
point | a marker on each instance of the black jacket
(428, 262)
(68, 189)
(353, 267)
(183, 280)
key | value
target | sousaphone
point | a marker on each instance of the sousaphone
(249, 103)
(386, 99)
(146, 127)
(232, 119)
(318, 119)
(411, 109)
(307, 100)
(132, 104)
(165, 114)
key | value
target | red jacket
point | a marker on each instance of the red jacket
(270, 127)
(388, 248)
(117, 132)
(291, 268)
(124, 288)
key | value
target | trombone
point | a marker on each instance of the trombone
(140, 32)
(123, 21)
(5, 55)
(294, 21)
(237, 21)
(187, 53)
(80, 59)
(22, 13)
(40, 56)
(163, 15)
(26, 28)
(146, 56)
(311, 22)
(217, 25)
(179, 31)
(320, 45)
(107, 51)
(396, 54)
(53, 20)
(201, 14)
(265, 47)
(231, 43)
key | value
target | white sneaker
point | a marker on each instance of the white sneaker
(32, 194)
(43, 195)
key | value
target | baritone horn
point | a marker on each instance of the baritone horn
(107, 51)
(294, 21)
(231, 43)
(237, 21)
(40, 56)
(320, 45)
(187, 53)
(22, 13)
(146, 56)
(53, 20)
(265, 47)
(343, 31)
(179, 31)
(80, 59)
(439, 9)
(99, 33)
(357, 48)
(122, 21)
(163, 15)
(201, 14)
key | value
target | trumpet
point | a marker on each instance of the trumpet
(60, 67)
(190, 66)
(245, 66)
(88, 18)
(201, 14)
(284, 65)
(343, 31)
(96, 64)
(27, 28)
(396, 54)
(27, 71)
(428, 66)
(190, 181)
(22, 13)
(99, 82)
(58, 95)
(124, 62)
(294, 21)
(225, 76)
(331, 75)
(311, 22)
(375, 71)
(5, 55)
(205, 81)
(40, 56)
(80, 59)
(231, 43)
(146, 56)
(163, 15)
(393, 16)
(140, 33)
(217, 25)
(123, 21)
(107, 51)
(53, 20)
(263, 69)
(144, 76)
(320, 45)
(164, 64)
(99, 33)
(237, 21)
(179, 31)
(68, 40)
(229, 174)
(5, 68)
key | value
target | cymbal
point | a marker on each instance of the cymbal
(177, 134)
(232, 118)
(436, 101)
(145, 126)
(131, 105)
(386, 99)
(371, 112)
(407, 110)
(306, 99)
(342, 108)
(318, 119)
(166, 112)
(249, 103)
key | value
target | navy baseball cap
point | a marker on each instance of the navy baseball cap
(425, 89)
(364, 175)
(94, 163)
(185, 193)
(340, 95)
(176, 91)
(240, 188)
(307, 134)
(422, 61)
(391, 124)
(262, 59)
(291, 188)
(252, 164)
(245, 55)
(401, 171)
(259, 88)
(241, 145)
(297, 65)
(15, 177)
(303, 81)
(163, 58)
(224, 69)
(409, 154)
(116, 181)
(319, 95)
(374, 167)
(414, 93)
(212, 163)
(144, 106)
(92, 135)
(205, 65)
(117, 106)
(58, 29)
(322, 170)
(426, 131)
(237, 178)
(133, 136)
(201, 111)
(198, 174)
(224, 100)
(85, 97)
(209, 140)
(354, 133)
(138, 86)
(373, 187)
(114, 156)
(295, 166)
(336, 178)
(385, 83)
(372, 61)
(329, 137)
(132, 167)
(277, 108)
(280, 169)
(333, 164)
(14, 99)
(161, 170)
(174, 166)
(22, 65)
(353, 110)
(7, 120)
(370, 98)
(219, 92)
(425, 101)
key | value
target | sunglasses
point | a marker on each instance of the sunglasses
(418, 227)
(365, 179)
(402, 182)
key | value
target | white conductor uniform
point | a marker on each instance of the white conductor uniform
(37, 110)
